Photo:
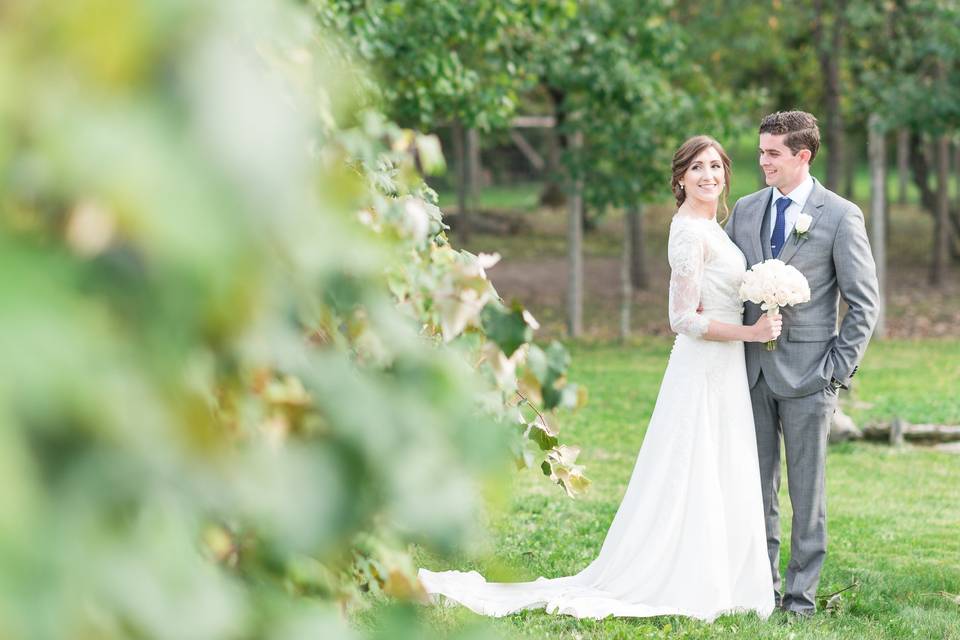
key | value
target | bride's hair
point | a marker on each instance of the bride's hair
(685, 156)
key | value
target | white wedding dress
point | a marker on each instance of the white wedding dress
(688, 538)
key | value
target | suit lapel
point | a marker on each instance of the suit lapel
(763, 227)
(758, 223)
(814, 209)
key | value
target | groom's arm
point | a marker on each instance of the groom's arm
(857, 281)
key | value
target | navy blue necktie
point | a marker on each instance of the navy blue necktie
(780, 227)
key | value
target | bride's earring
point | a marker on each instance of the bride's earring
(681, 186)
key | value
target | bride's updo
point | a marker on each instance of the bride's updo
(685, 156)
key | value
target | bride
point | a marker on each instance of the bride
(688, 538)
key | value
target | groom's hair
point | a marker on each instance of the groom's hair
(800, 128)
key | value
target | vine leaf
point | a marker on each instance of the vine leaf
(507, 327)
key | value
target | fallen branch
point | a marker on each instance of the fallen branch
(833, 602)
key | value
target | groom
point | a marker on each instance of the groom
(794, 388)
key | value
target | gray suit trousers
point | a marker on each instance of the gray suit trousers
(804, 425)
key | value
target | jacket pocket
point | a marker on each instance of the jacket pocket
(810, 333)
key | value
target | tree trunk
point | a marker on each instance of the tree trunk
(463, 187)
(920, 166)
(887, 198)
(941, 227)
(956, 173)
(590, 222)
(575, 248)
(552, 194)
(638, 255)
(850, 169)
(626, 278)
(903, 164)
(472, 154)
(878, 240)
(829, 53)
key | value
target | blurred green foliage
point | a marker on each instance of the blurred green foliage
(907, 61)
(618, 71)
(243, 368)
(897, 59)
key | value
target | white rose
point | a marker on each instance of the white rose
(774, 284)
(803, 223)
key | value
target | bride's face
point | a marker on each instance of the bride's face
(704, 178)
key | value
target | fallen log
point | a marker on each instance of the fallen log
(842, 428)
(894, 430)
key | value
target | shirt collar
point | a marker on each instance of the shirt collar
(798, 195)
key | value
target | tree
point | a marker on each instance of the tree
(437, 64)
(911, 73)
(829, 33)
(878, 217)
(617, 74)
(794, 54)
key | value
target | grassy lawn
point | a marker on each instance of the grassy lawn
(894, 515)
(916, 380)
(514, 197)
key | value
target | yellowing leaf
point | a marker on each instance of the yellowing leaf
(529, 386)
(400, 584)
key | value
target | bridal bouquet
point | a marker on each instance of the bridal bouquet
(773, 284)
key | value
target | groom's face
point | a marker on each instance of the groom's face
(781, 168)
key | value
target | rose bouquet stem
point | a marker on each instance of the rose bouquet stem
(772, 311)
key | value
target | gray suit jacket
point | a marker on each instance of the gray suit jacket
(836, 259)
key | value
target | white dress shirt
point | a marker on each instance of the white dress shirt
(799, 198)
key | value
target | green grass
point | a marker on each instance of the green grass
(514, 197)
(894, 515)
(916, 380)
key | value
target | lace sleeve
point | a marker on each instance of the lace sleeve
(685, 251)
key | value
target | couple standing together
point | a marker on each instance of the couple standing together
(698, 531)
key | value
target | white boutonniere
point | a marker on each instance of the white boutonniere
(802, 226)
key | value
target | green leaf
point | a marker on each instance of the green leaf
(542, 438)
(506, 327)
(537, 363)
(551, 397)
(557, 358)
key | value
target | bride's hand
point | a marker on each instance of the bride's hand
(767, 328)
